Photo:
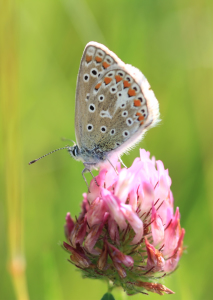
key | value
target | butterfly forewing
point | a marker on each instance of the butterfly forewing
(94, 63)
(112, 111)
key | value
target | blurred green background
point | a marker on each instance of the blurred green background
(42, 42)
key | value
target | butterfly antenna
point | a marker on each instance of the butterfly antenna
(33, 161)
(65, 139)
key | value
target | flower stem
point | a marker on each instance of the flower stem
(110, 286)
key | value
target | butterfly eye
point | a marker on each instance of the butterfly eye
(74, 151)
(86, 77)
(89, 127)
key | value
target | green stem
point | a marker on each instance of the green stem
(110, 286)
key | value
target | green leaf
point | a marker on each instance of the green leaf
(107, 296)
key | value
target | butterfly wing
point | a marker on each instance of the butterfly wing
(114, 103)
(95, 61)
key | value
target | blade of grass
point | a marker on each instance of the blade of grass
(11, 142)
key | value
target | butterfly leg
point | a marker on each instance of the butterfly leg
(122, 162)
(112, 166)
(87, 169)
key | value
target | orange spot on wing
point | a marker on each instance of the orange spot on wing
(126, 84)
(137, 102)
(98, 85)
(105, 65)
(98, 59)
(118, 78)
(131, 93)
(141, 123)
(141, 118)
(107, 80)
(88, 58)
(138, 114)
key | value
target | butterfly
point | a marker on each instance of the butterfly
(114, 107)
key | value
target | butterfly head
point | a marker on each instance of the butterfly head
(74, 151)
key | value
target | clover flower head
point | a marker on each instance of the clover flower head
(127, 231)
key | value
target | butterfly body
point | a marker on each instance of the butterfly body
(94, 157)
(114, 107)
